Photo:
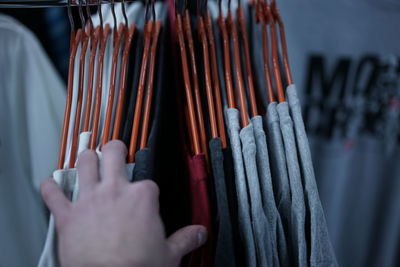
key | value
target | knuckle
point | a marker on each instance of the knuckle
(147, 187)
(87, 155)
(114, 146)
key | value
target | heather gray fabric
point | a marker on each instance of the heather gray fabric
(299, 243)
(275, 226)
(267, 254)
(232, 120)
(279, 173)
(224, 251)
(321, 250)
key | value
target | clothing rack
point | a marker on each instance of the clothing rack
(51, 3)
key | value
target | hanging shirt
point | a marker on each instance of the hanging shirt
(32, 99)
(275, 226)
(201, 212)
(299, 242)
(224, 251)
(245, 225)
(266, 249)
(348, 83)
(321, 250)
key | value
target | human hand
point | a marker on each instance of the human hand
(114, 222)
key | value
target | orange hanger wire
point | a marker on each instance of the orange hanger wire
(275, 57)
(128, 36)
(238, 68)
(195, 80)
(249, 71)
(150, 85)
(207, 75)
(82, 63)
(227, 59)
(214, 70)
(114, 65)
(93, 40)
(148, 29)
(267, 71)
(189, 96)
(99, 87)
(74, 43)
(277, 18)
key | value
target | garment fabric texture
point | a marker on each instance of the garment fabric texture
(266, 249)
(299, 242)
(245, 225)
(201, 211)
(32, 98)
(321, 250)
(280, 177)
(224, 251)
(275, 227)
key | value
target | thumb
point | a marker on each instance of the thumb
(186, 240)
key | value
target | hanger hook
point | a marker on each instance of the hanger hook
(100, 13)
(124, 13)
(229, 5)
(82, 17)
(88, 13)
(113, 14)
(70, 17)
(146, 14)
(154, 10)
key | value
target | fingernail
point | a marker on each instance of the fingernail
(202, 236)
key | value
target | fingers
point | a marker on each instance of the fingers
(186, 240)
(88, 170)
(54, 197)
(114, 160)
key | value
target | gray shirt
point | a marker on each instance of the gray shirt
(266, 247)
(232, 120)
(299, 243)
(275, 226)
(321, 250)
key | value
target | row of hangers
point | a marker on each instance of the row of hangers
(235, 33)
(122, 40)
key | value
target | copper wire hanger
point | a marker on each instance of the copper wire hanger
(207, 73)
(150, 82)
(74, 43)
(247, 57)
(267, 71)
(128, 36)
(191, 115)
(227, 58)
(93, 40)
(275, 56)
(195, 81)
(148, 29)
(277, 17)
(82, 62)
(238, 68)
(117, 40)
(103, 37)
(215, 79)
